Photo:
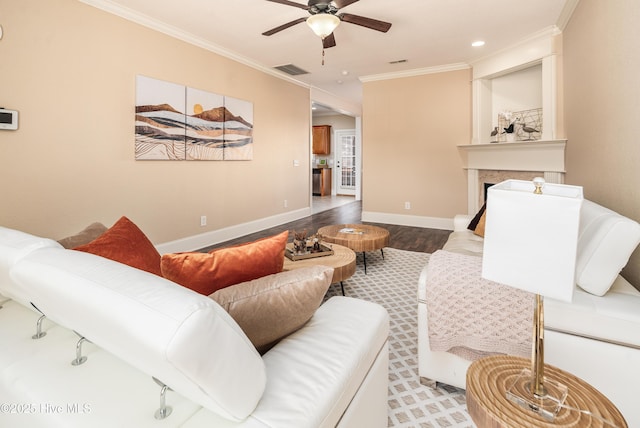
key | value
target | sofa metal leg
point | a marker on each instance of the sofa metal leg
(39, 332)
(164, 411)
(342, 287)
(80, 359)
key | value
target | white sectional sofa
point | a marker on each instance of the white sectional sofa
(596, 337)
(139, 327)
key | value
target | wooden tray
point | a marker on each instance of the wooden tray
(324, 251)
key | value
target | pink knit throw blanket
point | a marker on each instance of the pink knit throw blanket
(473, 317)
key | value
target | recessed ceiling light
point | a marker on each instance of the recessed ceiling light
(345, 72)
(478, 43)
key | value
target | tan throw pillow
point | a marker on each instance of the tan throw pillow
(208, 272)
(479, 230)
(272, 307)
(83, 237)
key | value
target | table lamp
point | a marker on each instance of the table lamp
(530, 243)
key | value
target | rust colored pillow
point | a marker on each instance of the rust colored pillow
(124, 242)
(207, 272)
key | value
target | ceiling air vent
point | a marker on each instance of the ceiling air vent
(291, 69)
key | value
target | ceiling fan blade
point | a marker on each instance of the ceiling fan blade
(290, 3)
(329, 41)
(374, 24)
(283, 27)
(344, 3)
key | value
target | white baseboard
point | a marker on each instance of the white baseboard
(195, 242)
(408, 220)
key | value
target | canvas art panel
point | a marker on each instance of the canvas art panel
(175, 122)
(160, 120)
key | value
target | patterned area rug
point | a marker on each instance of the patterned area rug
(392, 282)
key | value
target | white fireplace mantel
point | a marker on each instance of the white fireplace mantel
(518, 156)
(546, 157)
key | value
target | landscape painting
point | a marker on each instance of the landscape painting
(238, 129)
(174, 122)
(205, 125)
(160, 120)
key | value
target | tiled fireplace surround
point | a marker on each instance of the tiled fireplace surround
(496, 162)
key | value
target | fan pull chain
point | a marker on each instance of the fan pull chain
(323, 56)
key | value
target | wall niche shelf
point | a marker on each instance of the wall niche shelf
(524, 77)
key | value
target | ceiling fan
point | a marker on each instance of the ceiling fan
(324, 18)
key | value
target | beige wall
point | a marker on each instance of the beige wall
(70, 70)
(411, 127)
(602, 107)
(338, 121)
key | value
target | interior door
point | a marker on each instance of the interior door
(345, 168)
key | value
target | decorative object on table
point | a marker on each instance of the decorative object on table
(300, 242)
(304, 247)
(323, 250)
(530, 243)
(356, 231)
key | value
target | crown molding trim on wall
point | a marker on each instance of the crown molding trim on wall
(146, 21)
(416, 72)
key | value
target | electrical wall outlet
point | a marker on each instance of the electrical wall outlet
(286, 203)
(203, 220)
(296, 162)
(407, 205)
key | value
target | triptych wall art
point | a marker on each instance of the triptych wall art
(175, 122)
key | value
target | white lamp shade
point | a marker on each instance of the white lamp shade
(530, 240)
(323, 24)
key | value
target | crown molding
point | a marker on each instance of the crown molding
(416, 72)
(567, 12)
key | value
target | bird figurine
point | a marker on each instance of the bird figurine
(494, 133)
(528, 130)
(509, 130)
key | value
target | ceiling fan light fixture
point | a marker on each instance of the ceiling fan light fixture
(323, 24)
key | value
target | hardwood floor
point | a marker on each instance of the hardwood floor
(401, 237)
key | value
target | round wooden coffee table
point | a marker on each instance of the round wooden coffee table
(359, 237)
(343, 262)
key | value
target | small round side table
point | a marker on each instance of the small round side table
(489, 378)
(359, 237)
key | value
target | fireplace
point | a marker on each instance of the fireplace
(493, 163)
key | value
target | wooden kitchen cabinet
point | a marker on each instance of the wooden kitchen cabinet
(321, 140)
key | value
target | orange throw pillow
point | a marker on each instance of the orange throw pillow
(207, 272)
(124, 242)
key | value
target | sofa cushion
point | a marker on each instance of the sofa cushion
(474, 221)
(166, 331)
(83, 237)
(605, 243)
(207, 272)
(613, 317)
(15, 245)
(274, 306)
(124, 242)
(482, 221)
